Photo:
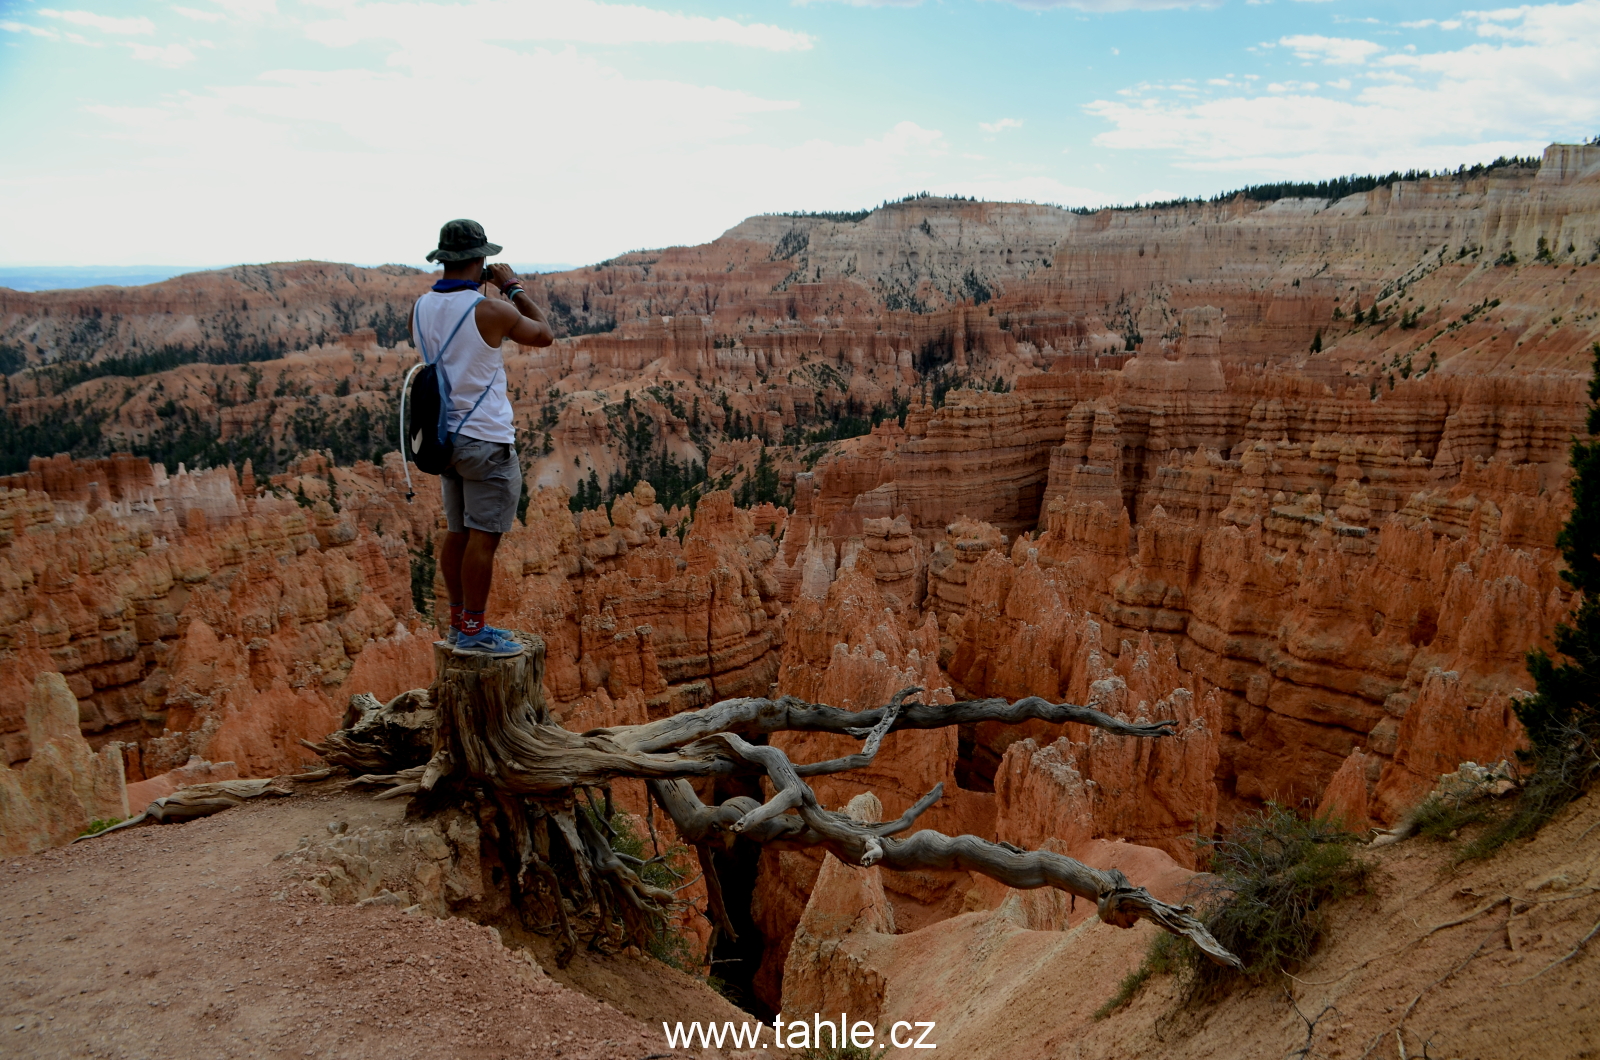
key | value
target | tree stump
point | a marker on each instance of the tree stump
(480, 701)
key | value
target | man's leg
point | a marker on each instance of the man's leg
(450, 560)
(476, 568)
(491, 480)
(455, 545)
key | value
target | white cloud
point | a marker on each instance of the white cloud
(865, 3)
(37, 31)
(1097, 6)
(1002, 124)
(253, 10)
(1110, 6)
(344, 164)
(1549, 24)
(1536, 78)
(1341, 50)
(168, 55)
(416, 24)
(103, 23)
(199, 16)
(1424, 23)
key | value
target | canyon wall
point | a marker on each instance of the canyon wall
(192, 616)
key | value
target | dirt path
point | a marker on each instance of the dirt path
(179, 941)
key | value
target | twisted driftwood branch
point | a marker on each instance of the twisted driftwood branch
(1118, 901)
(198, 800)
(754, 717)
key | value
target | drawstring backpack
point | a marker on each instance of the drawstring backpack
(427, 390)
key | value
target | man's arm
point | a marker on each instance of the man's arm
(519, 320)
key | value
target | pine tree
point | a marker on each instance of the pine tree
(1562, 718)
(1316, 342)
(1567, 705)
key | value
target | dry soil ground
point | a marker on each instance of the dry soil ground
(178, 941)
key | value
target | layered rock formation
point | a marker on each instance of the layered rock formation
(191, 617)
(786, 326)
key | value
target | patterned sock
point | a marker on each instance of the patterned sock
(455, 616)
(471, 622)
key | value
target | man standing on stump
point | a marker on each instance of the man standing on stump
(484, 480)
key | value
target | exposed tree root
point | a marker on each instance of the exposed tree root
(1562, 960)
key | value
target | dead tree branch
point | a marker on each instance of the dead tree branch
(491, 738)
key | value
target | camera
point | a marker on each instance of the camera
(484, 277)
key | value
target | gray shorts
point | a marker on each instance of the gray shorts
(481, 486)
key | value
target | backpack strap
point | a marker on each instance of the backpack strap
(423, 346)
(438, 362)
(481, 396)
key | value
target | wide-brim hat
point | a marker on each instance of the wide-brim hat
(463, 240)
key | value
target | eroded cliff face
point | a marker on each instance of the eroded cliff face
(637, 624)
(193, 617)
(65, 784)
(1318, 562)
(787, 326)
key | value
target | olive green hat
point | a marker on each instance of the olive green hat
(463, 240)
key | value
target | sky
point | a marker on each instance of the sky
(214, 132)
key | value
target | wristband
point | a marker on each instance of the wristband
(512, 291)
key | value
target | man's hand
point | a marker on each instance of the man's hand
(501, 273)
(519, 320)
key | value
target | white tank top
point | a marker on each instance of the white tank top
(470, 364)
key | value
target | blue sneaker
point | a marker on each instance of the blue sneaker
(452, 634)
(495, 643)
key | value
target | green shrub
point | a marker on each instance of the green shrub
(1273, 877)
(668, 944)
(1160, 959)
(1440, 817)
(97, 826)
(424, 565)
